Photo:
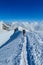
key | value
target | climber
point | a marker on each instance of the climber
(24, 32)
(16, 29)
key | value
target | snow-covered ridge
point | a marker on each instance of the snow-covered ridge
(30, 26)
(7, 30)
(32, 43)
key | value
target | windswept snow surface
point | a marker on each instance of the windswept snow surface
(4, 36)
(24, 54)
(17, 49)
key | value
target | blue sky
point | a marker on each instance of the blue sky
(21, 10)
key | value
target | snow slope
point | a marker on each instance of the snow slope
(24, 54)
(17, 49)
(10, 52)
(4, 36)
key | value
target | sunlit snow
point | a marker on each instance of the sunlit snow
(4, 36)
(19, 49)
